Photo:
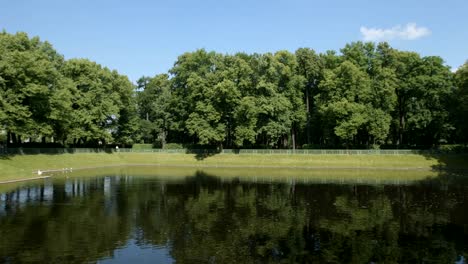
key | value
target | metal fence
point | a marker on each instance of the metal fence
(31, 151)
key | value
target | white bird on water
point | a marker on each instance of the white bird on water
(39, 172)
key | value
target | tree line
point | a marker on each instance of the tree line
(365, 96)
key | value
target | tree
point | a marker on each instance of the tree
(246, 116)
(272, 105)
(343, 101)
(208, 95)
(239, 110)
(154, 107)
(424, 85)
(292, 85)
(460, 110)
(31, 89)
(310, 66)
(127, 123)
(97, 101)
(197, 62)
(213, 96)
(429, 118)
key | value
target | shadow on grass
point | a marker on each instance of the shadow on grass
(201, 154)
(5, 157)
(448, 161)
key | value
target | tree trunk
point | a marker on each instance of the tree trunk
(8, 141)
(163, 139)
(293, 137)
(229, 134)
(308, 115)
(401, 119)
(13, 138)
(401, 129)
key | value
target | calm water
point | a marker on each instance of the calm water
(202, 218)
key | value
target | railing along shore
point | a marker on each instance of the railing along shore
(32, 151)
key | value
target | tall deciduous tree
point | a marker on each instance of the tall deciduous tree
(310, 66)
(292, 86)
(343, 100)
(274, 108)
(154, 108)
(460, 112)
(97, 100)
(127, 124)
(31, 88)
(187, 71)
(428, 119)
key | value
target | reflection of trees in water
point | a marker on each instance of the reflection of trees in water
(205, 219)
(435, 219)
(64, 227)
(399, 224)
(228, 222)
(241, 223)
(360, 233)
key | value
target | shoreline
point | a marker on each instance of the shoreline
(26, 179)
(20, 167)
(248, 167)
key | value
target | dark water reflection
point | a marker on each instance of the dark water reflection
(205, 219)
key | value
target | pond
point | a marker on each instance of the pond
(155, 215)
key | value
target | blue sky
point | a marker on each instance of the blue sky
(143, 37)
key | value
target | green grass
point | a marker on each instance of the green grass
(24, 166)
(261, 174)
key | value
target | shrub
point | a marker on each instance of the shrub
(455, 148)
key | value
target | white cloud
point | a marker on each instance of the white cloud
(409, 32)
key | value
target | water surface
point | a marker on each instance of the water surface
(188, 216)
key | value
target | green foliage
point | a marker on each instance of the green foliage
(95, 100)
(246, 116)
(455, 148)
(29, 85)
(44, 96)
(3, 137)
(153, 105)
(367, 96)
(460, 107)
(344, 100)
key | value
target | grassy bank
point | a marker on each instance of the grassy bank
(23, 166)
(261, 175)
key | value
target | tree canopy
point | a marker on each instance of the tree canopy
(44, 96)
(367, 95)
